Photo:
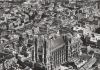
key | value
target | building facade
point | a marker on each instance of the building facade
(58, 53)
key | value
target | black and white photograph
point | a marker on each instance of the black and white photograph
(49, 34)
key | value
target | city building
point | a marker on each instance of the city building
(39, 50)
(58, 53)
(11, 0)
